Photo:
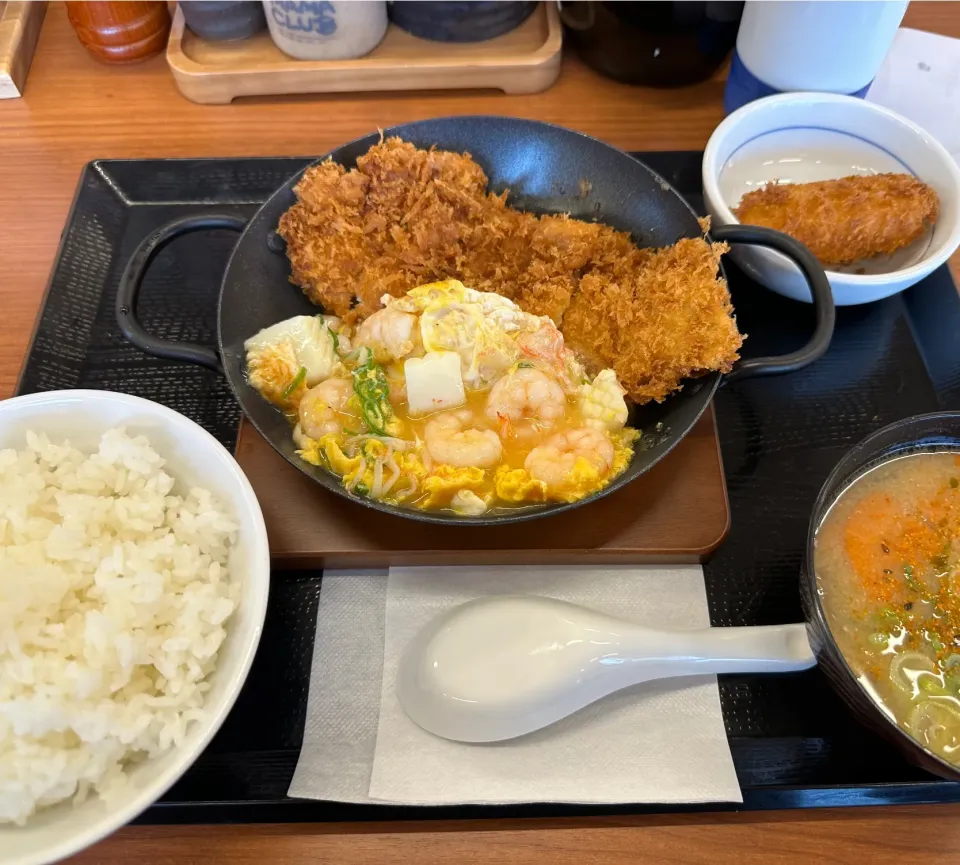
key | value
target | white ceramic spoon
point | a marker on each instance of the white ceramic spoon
(503, 666)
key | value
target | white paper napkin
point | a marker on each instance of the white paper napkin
(920, 79)
(660, 742)
(344, 700)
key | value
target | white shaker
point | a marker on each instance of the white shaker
(329, 30)
(832, 46)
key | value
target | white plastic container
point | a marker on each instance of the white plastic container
(326, 30)
(829, 46)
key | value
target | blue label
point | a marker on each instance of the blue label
(743, 86)
(319, 18)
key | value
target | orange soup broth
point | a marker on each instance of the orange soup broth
(517, 443)
(887, 560)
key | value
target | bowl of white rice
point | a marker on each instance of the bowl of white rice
(134, 574)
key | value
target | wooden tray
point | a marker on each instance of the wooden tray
(19, 31)
(525, 60)
(677, 512)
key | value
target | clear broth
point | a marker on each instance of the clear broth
(887, 560)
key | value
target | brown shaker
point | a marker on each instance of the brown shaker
(121, 32)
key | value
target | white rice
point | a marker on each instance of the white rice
(114, 592)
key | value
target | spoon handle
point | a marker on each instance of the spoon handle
(648, 654)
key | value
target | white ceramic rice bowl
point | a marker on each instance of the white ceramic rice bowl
(194, 457)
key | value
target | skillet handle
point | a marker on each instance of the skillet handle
(132, 280)
(570, 19)
(826, 312)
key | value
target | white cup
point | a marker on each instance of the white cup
(326, 30)
(830, 46)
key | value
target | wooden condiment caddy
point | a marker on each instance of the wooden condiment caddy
(19, 31)
(525, 60)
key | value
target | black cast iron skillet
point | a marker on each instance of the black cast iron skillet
(542, 166)
(930, 432)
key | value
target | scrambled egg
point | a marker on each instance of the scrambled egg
(445, 481)
(584, 478)
(326, 453)
(412, 474)
(468, 503)
(479, 326)
(516, 485)
(623, 449)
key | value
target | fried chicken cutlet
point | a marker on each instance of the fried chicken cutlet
(846, 220)
(404, 217)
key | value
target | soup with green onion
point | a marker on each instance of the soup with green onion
(887, 558)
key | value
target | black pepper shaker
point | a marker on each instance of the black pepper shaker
(224, 20)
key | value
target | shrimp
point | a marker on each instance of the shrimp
(450, 439)
(325, 408)
(397, 382)
(391, 335)
(555, 460)
(525, 402)
(544, 344)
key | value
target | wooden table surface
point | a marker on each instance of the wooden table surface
(75, 110)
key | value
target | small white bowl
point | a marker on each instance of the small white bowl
(193, 457)
(802, 137)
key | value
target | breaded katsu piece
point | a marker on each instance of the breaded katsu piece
(845, 220)
(405, 217)
(672, 320)
(396, 221)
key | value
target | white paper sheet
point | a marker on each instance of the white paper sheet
(344, 701)
(920, 79)
(659, 742)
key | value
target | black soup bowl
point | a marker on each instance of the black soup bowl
(931, 432)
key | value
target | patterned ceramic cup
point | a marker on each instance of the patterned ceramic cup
(326, 30)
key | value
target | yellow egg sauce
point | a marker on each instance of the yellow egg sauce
(446, 399)
(887, 561)
(508, 485)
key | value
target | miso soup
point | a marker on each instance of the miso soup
(887, 559)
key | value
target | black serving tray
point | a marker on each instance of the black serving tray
(793, 741)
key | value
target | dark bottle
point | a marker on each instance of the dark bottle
(224, 20)
(657, 44)
(459, 20)
(121, 32)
